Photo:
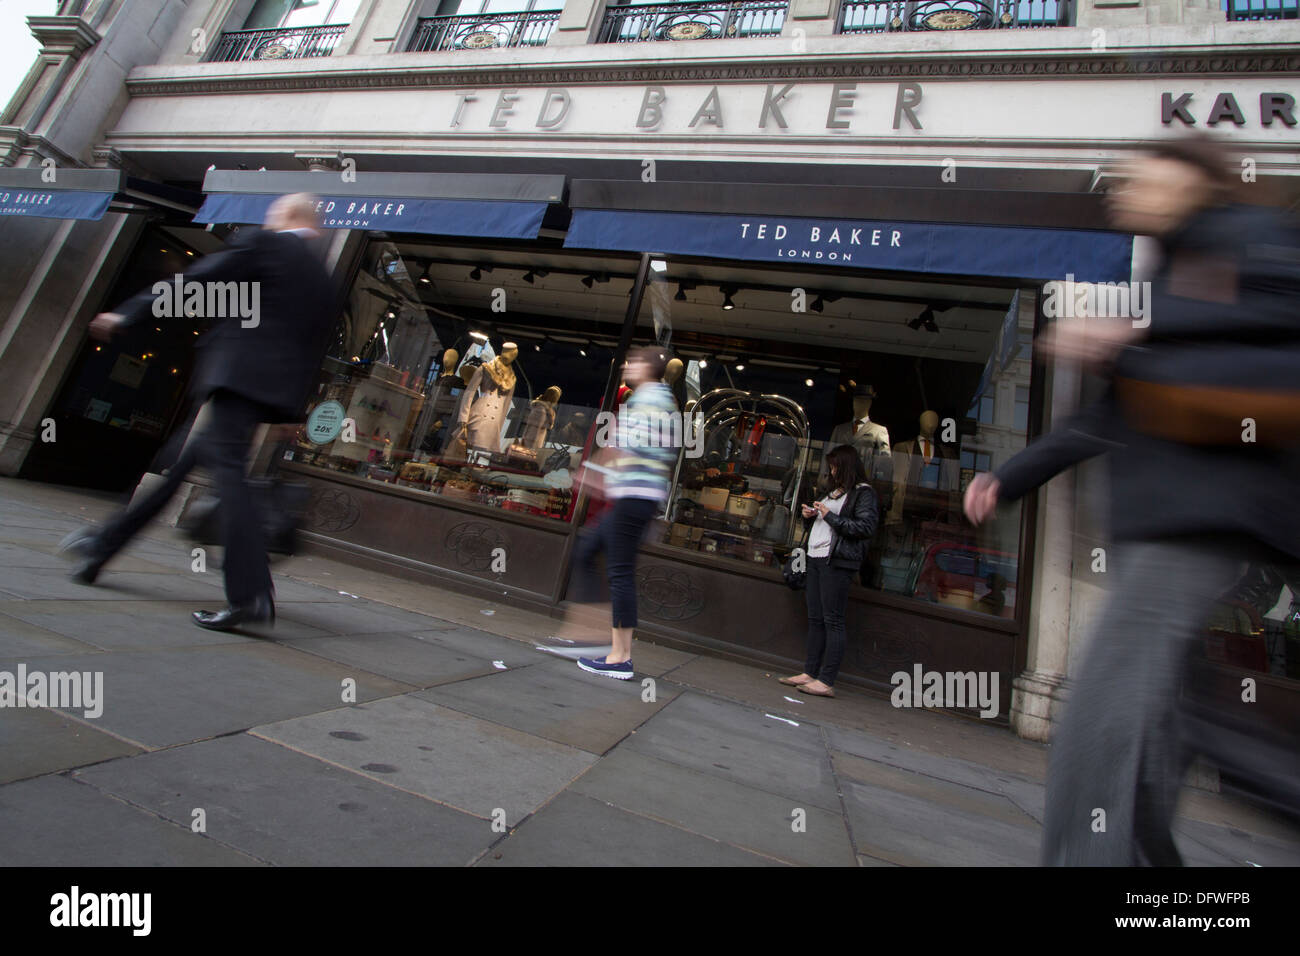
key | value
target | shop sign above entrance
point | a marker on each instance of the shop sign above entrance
(909, 246)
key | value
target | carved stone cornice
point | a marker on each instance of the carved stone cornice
(63, 36)
(16, 143)
(951, 65)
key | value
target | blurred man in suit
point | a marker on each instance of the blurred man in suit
(254, 366)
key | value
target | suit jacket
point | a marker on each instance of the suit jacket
(276, 360)
(909, 462)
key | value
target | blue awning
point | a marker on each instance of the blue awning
(445, 217)
(1002, 251)
(54, 203)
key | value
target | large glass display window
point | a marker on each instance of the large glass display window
(927, 381)
(469, 375)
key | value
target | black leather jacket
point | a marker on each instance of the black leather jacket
(853, 528)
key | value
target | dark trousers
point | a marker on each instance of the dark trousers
(1124, 744)
(618, 534)
(123, 526)
(828, 600)
(223, 449)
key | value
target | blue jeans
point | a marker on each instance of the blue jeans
(618, 534)
(828, 599)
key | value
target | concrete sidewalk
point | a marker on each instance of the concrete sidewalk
(460, 730)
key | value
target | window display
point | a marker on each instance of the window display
(924, 407)
(438, 390)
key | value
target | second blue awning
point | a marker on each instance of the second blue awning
(445, 217)
(1002, 251)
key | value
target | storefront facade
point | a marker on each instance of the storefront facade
(843, 238)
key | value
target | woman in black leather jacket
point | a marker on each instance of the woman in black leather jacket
(837, 546)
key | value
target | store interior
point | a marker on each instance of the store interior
(478, 373)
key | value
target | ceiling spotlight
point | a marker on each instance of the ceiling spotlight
(704, 363)
(820, 302)
(478, 272)
(424, 276)
(681, 291)
(808, 382)
(539, 273)
(727, 293)
(588, 281)
(478, 337)
(582, 352)
(537, 348)
(740, 368)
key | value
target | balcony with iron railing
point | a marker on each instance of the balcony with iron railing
(286, 43)
(891, 16)
(1262, 9)
(693, 21)
(482, 31)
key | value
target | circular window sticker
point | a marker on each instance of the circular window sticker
(325, 422)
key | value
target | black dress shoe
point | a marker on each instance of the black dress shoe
(257, 610)
(85, 546)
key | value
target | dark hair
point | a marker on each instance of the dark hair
(1209, 155)
(844, 468)
(656, 356)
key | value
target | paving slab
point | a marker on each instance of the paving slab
(408, 659)
(53, 584)
(462, 761)
(702, 803)
(351, 616)
(742, 745)
(556, 700)
(20, 640)
(1028, 794)
(1238, 846)
(18, 556)
(165, 696)
(55, 821)
(469, 640)
(575, 830)
(37, 740)
(923, 821)
(123, 625)
(290, 809)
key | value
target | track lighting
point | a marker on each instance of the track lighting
(727, 293)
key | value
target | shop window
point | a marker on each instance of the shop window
(468, 378)
(773, 388)
(1021, 420)
(273, 14)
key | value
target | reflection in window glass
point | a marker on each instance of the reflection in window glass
(773, 395)
(444, 396)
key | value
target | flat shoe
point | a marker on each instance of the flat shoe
(816, 693)
(788, 682)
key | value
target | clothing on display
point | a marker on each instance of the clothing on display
(487, 400)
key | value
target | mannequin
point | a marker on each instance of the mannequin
(921, 463)
(869, 438)
(439, 405)
(673, 379)
(540, 418)
(487, 400)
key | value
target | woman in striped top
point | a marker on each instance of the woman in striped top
(637, 485)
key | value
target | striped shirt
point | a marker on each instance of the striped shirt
(649, 438)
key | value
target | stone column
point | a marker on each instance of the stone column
(1037, 693)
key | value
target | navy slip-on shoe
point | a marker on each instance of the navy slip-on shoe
(597, 665)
